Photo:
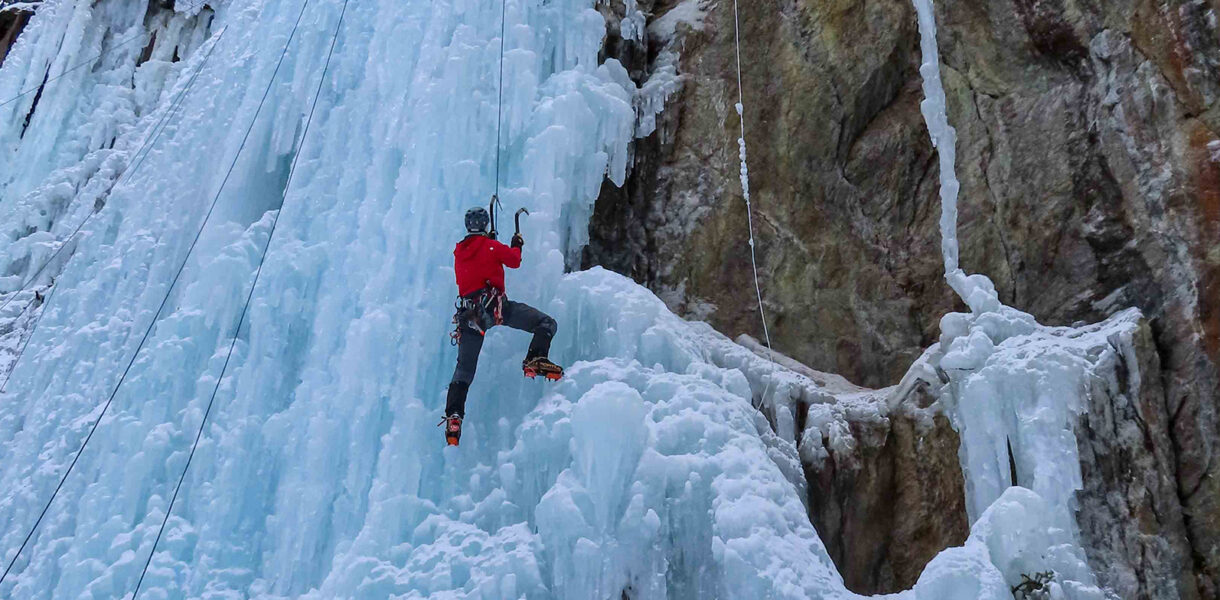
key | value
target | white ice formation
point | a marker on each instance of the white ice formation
(321, 473)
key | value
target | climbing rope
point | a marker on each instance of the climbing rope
(249, 297)
(745, 189)
(145, 149)
(88, 61)
(165, 300)
(71, 69)
(46, 301)
(500, 104)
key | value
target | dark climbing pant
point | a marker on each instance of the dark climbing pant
(516, 315)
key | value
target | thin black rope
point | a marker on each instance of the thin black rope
(500, 98)
(165, 300)
(141, 153)
(249, 297)
(71, 69)
(86, 62)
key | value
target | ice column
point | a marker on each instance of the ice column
(944, 138)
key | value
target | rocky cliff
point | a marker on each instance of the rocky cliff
(1089, 155)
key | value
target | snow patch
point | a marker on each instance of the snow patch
(688, 12)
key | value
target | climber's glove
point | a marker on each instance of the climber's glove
(518, 241)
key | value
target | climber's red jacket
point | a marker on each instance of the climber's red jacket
(479, 260)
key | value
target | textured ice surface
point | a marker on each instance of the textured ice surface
(321, 473)
(632, 27)
(1015, 392)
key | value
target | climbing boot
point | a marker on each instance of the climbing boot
(453, 429)
(541, 365)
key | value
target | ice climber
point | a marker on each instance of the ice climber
(478, 262)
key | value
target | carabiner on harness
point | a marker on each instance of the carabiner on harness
(479, 311)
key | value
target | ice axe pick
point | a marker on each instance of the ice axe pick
(517, 219)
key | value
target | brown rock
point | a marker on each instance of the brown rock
(11, 24)
(1130, 518)
(1089, 149)
(891, 504)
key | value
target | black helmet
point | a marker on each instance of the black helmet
(477, 220)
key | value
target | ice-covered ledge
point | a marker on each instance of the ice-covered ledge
(1039, 388)
(1087, 427)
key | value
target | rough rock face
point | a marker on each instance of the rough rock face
(1089, 154)
(839, 159)
(1130, 518)
(892, 500)
(882, 479)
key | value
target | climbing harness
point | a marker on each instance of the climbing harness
(141, 153)
(479, 311)
(257, 273)
(164, 301)
(745, 189)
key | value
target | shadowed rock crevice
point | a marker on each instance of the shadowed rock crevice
(888, 507)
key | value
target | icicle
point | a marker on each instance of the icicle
(944, 139)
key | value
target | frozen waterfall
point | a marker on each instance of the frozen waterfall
(646, 473)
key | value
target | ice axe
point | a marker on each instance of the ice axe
(491, 210)
(517, 219)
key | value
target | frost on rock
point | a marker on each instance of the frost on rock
(744, 172)
(664, 80)
(66, 147)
